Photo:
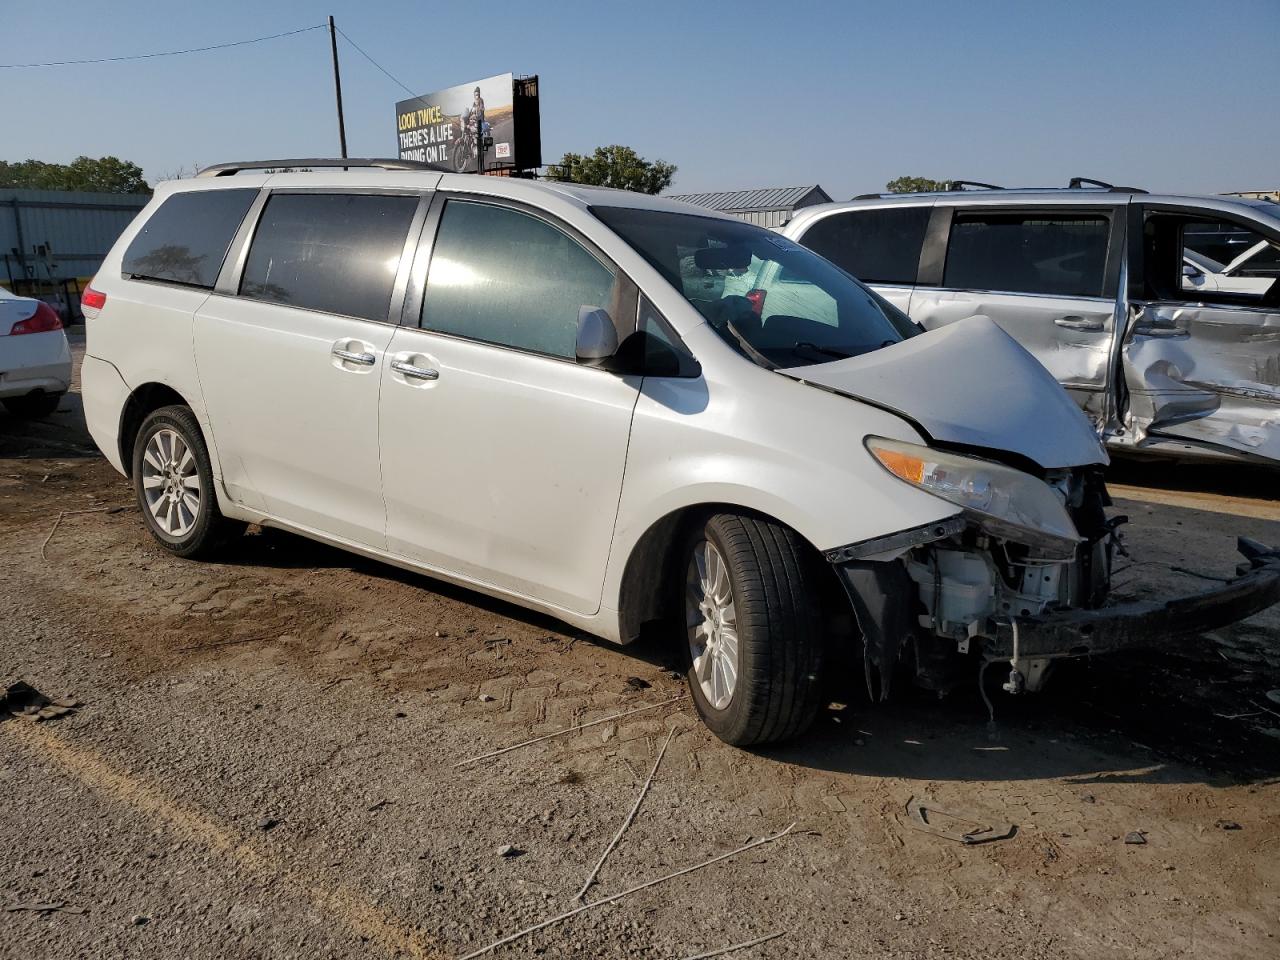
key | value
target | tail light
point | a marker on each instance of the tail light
(756, 299)
(93, 299)
(44, 320)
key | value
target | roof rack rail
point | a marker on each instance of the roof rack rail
(383, 163)
(1076, 183)
(959, 185)
(948, 186)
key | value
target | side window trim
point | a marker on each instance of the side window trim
(627, 292)
(1116, 247)
(228, 281)
(1111, 269)
(933, 252)
(416, 285)
(408, 255)
(1135, 253)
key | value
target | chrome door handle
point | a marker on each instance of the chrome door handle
(418, 373)
(1072, 322)
(364, 359)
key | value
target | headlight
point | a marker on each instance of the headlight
(1007, 502)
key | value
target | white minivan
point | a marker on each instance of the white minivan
(525, 388)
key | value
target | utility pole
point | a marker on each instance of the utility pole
(337, 88)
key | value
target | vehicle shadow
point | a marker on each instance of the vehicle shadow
(1128, 718)
(279, 549)
(1231, 480)
(61, 435)
(1141, 718)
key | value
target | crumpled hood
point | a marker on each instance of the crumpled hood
(969, 383)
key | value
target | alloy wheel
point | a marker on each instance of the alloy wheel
(171, 483)
(712, 625)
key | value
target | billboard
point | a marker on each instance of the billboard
(487, 125)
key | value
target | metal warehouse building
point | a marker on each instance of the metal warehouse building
(53, 241)
(768, 207)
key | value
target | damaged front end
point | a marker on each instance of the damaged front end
(1012, 580)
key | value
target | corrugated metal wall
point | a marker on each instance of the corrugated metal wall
(79, 228)
(763, 218)
(765, 207)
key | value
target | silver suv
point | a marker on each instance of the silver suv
(1159, 314)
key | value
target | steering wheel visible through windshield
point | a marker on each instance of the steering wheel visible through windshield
(775, 301)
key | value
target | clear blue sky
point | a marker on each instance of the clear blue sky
(1158, 93)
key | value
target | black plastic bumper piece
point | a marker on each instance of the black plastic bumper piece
(881, 597)
(1078, 633)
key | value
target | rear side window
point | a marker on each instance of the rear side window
(508, 278)
(333, 252)
(876, 246)
(1028, 253)
(186, 240)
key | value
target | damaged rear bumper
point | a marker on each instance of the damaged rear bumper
(1077, 633)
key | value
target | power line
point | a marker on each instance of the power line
(173, 53)
(384, 70)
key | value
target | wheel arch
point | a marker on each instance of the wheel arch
(643, 593)
(142, 401)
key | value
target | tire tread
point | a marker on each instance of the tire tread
(780, 629)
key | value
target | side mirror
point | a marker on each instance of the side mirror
(1189, 271)
(597, 336)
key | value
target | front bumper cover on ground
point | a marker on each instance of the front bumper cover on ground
(1077, 633)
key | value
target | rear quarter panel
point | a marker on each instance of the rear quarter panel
(145, 330)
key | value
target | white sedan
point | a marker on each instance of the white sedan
(35, 361)
(1204, 273)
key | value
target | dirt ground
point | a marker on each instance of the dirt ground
(265, 764)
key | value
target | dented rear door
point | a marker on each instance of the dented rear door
(1201, 368)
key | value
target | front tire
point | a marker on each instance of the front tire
(173, 481)
(754, 633)
(460, 156)
(33, 406)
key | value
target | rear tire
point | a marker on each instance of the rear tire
(33, 406)
(751, 601)
(173, 481)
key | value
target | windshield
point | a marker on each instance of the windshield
(776, 302)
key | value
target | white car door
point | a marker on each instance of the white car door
(289, 365)
(502, 457)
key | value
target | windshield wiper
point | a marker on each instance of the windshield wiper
(828, 351)
(748, 349)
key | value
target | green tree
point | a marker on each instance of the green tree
(915, 185)
(105, 175)
(614, 166)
